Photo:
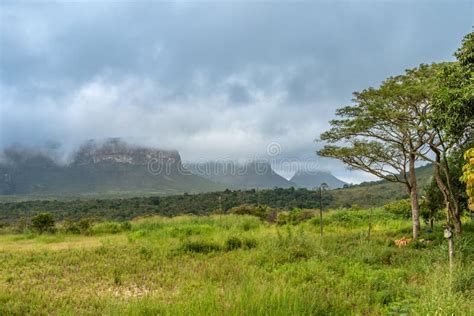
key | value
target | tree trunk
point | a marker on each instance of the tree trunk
(415, 207)
(454, 218)
(457, 223)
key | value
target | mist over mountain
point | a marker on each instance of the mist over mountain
(111, 167)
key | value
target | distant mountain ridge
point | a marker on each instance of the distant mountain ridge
(115, 168)
(311, 180)
(112, 167)
(234, 175)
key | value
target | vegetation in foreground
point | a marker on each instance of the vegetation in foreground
(237, 264)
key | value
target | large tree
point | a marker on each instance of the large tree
(452, 118)
(383, 132)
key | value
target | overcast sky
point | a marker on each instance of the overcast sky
(210, 79)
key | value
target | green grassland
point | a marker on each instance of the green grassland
(237, 265)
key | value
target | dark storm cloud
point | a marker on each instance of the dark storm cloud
(208, 78)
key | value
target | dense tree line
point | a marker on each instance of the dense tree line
(124, 209)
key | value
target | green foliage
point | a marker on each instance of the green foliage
(453, 110)
(371, 134)
(43, 222)
(432, 202)
(468, 176)
(254, 210)
(400, 208)
(199, 204)
(110, 228)
(249, 243)
(71, 227)
(200, 246)
(232, 243)
(295, 216)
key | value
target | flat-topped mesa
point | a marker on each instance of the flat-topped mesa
(114, 151)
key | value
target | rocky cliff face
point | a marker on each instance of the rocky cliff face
(112, 167)
(117, 151)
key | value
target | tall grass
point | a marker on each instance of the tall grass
(237, 265)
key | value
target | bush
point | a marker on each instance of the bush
(199, 246)
(85, 226)
(249, 243)
(43, 222)
(260, 211)
(107, 228)
(232, 243)
(81, 227)
(401, 208)
(282, 218)
(295, 216)
(126, 226)
(71, 227)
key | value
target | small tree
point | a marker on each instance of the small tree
(43, 222)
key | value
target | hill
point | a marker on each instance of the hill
(311, 180)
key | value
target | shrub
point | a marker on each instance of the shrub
(21, 226)
(199, 246)
(295, 216)
(43, 222)
(81, 227)
(298, 215)
(85, 226)
(249, 243)
(249, 223)
(282, 218)
(107, 228)
(126, 226)
(260, 211)
(234, 242)
(401, 208)
(71, 227)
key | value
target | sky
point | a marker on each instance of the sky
(213, 80)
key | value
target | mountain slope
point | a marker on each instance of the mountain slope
(311, 180)
(253, 175)
(111, 168)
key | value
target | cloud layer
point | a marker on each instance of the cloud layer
(210, 79)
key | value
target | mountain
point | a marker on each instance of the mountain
(112, 167)
(233, 175)
(311, 180)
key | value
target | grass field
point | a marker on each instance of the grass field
(237, 265)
